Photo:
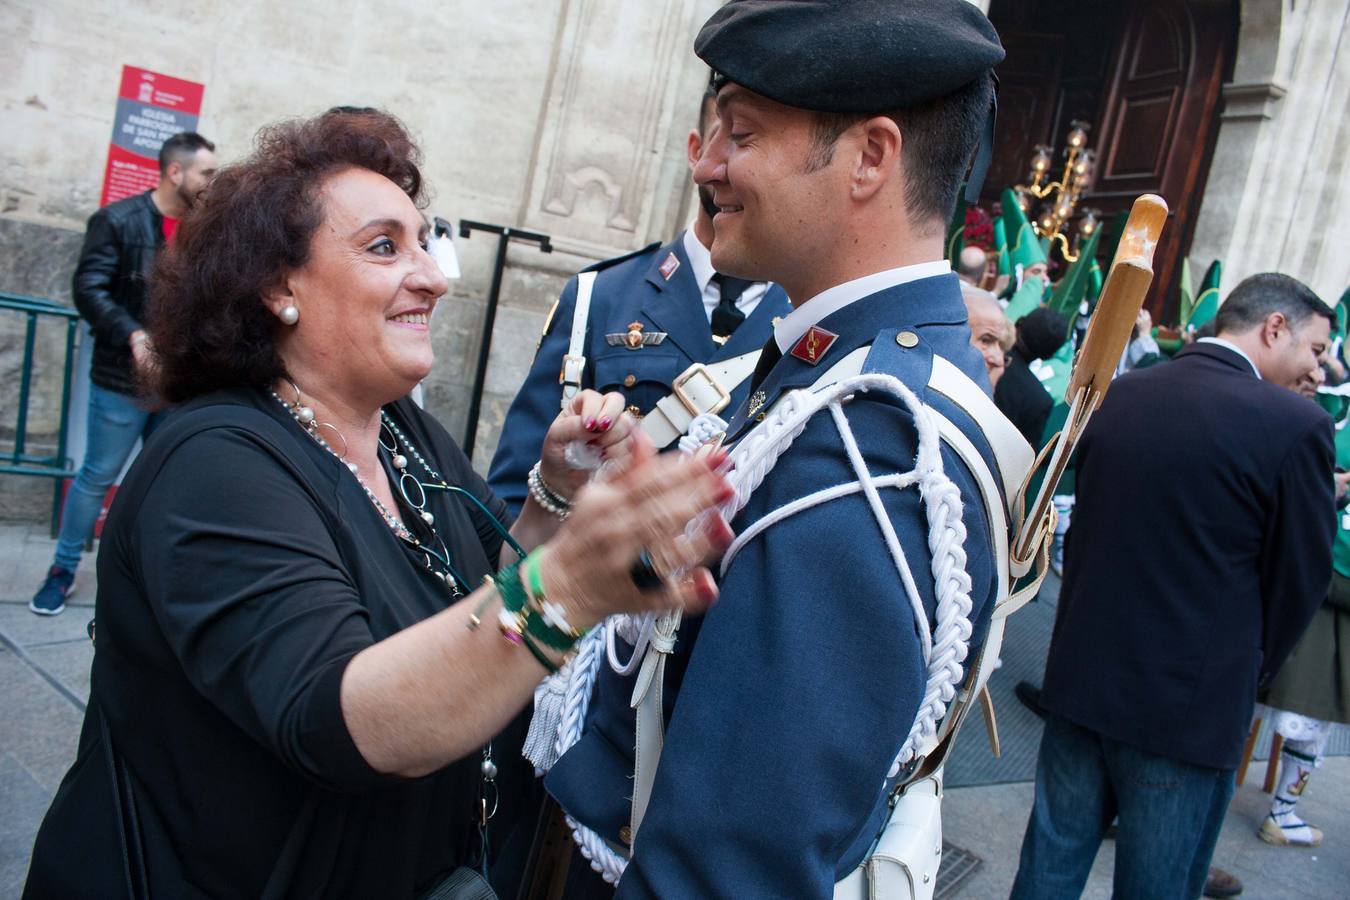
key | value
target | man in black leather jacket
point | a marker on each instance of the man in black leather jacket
(110, 290)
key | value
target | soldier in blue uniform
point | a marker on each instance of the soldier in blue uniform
(788, 705)
(653, 315)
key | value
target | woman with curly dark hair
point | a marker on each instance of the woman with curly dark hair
(311, 618)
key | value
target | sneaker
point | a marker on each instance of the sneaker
(51, 597)
(1300, 835)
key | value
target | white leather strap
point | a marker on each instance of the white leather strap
(650, 726)
(702, 388)
(1011, 451)
(574, 363)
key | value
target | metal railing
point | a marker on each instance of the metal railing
(19, 461)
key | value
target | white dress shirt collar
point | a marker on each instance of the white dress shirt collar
(700, 260)
(1231, 346)
(791, 327)
(700, 264)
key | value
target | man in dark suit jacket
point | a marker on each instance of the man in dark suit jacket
(1201, 547)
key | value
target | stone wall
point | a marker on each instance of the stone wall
(564, 116)
(1278, 196)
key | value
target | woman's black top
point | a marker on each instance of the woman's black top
(241, 569)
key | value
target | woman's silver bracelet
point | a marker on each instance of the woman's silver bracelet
(545, 496)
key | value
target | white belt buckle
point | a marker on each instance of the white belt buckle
(677, 388)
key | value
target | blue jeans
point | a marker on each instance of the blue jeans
(115, 424)
(1170, 815)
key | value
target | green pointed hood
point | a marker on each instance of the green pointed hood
(1185, 291)
(1342, 311)
(1024, 248)
(1001, 244)
(1072, 288)
(1207, 301)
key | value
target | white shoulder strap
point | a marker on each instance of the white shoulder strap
(574, 363)
(702, 389)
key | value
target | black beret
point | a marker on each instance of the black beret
(850, 56)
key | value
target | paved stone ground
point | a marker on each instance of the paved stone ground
(44, 680)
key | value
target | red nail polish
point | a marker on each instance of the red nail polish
(605, 423)
(588, 423)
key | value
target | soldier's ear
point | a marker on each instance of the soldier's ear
(694, 147)
(878, 153)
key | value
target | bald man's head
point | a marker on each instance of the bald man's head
(970, 265)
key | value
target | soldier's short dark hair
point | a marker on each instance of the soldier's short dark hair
(1042, 332)
(1258, 296)
(939, 138)
(181, 148)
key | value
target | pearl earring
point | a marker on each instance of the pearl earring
(289, 314)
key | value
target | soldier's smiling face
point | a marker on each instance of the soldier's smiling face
(773, 205)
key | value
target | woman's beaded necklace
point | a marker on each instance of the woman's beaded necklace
(304, 416)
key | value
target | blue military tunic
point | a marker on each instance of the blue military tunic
(788, 702)
(644, 287)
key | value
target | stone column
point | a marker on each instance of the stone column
(1278, 194)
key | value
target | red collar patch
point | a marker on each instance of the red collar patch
(669, 265)
(814, 344)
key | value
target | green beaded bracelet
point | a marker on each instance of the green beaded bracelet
(538, 620)
(511, 589)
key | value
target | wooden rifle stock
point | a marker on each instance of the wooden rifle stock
(1108, 334)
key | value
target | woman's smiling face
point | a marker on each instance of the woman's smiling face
(366, 292)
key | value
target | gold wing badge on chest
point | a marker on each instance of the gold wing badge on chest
(634, 338)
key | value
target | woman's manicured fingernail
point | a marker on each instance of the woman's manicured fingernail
(588, 423)
(605, 423)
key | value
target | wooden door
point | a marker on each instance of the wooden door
(1146, 74)
(1160, 121)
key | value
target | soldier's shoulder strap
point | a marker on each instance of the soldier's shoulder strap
(574, 363)
(597, 267)
(614, 261)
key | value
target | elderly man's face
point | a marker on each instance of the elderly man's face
(987, 330)
(771, 202)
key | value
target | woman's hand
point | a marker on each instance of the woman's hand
(597, 420)
(646, 504)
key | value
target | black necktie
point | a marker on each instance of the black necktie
(726, 316)
(768, 357)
